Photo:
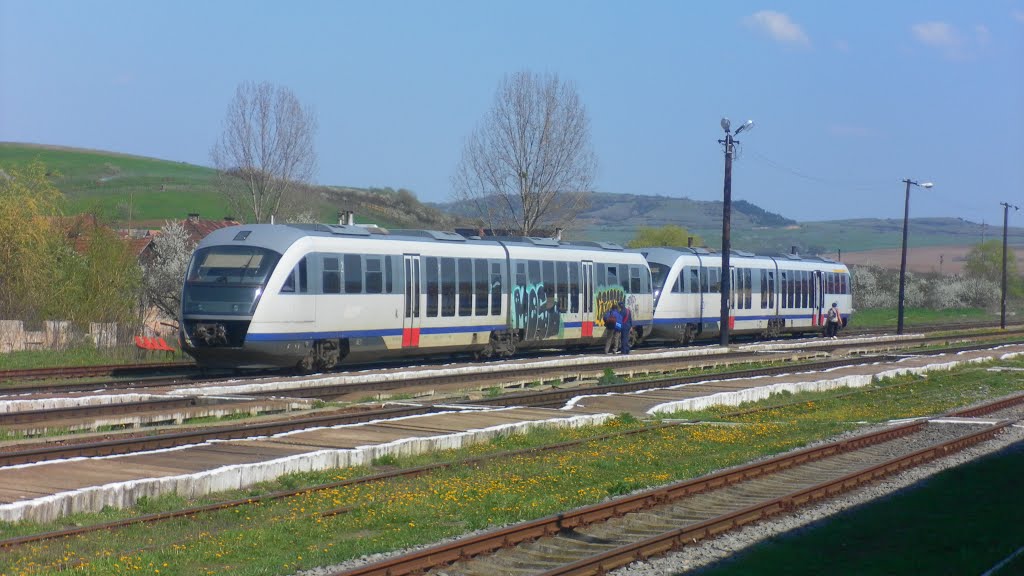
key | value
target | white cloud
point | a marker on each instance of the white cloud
(982, 35)
(938, 34)
(842, 46)
(778, 27)
(1018, 15)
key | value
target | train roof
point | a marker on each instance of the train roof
(662, 253)
(280, 236)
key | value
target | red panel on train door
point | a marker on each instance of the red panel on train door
(410, 337)
(732, 322)
(588, 330)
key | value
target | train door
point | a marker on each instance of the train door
(819, 297)
(587, 309)
(735, 295)
(411, 315)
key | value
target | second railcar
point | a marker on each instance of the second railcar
(768, 295)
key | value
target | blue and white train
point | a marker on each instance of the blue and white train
(769, 296)
(313, 296)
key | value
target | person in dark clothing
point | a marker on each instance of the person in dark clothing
(833, 322)
(612, 327)
(627, 327)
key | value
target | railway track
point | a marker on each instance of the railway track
(48, 451)
(602, 537)
(107, 370)
(188, 368)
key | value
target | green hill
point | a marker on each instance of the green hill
(123, 188)
(147, 191)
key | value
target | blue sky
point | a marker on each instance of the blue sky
(848, 98)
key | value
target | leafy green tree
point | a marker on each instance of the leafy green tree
(28, 204)
(668, 235)
(985, 261)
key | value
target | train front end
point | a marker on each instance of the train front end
(225, 281)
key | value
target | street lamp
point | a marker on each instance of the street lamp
(903, 257)
(1002, 298)
(726, 217)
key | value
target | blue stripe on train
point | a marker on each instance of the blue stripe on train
(697, 319)
(272, 337)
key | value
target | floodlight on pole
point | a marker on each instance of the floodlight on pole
(903, 254)
(725, 285)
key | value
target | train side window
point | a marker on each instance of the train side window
(388, 275)
(465, 286)
(845, 281)
(599, 274)
(764, 289)
(635, 286)
(574, 287)
(433, 286)
(611, 276)
(289, 283)
(563, 285)
(331, 275)
(533, 277)
(715, 280)
(353, 274)
(784, 290)
(548, 279)
(695, 280)
(748, 289)
(520, 274)
(771, 289)
(303, 276)
(480, 286)
(495, 288)
(448, 286)
(374, 275)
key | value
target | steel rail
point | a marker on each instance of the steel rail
(487, 543)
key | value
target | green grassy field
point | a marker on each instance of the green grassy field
(122, 186)
(887, 317)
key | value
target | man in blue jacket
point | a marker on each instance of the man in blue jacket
(626, 327)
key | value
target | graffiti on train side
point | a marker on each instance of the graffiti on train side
(605, 297)
(537, 311)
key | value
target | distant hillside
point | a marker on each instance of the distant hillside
(122, 187)
(147, 191)
(616, 217)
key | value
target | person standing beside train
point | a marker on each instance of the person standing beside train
(833, 322)
(626, 327)
(612, 327)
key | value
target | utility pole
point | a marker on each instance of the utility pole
(726, 286)
(1002, 298)
(903, 256)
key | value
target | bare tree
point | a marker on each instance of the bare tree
(529, 165)
(265, 150)
(164, 276)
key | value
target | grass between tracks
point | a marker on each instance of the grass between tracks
(324, 526)
(83, 356)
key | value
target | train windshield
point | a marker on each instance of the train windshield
(227, 279)
(658, 274)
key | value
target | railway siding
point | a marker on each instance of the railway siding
(58, 488)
